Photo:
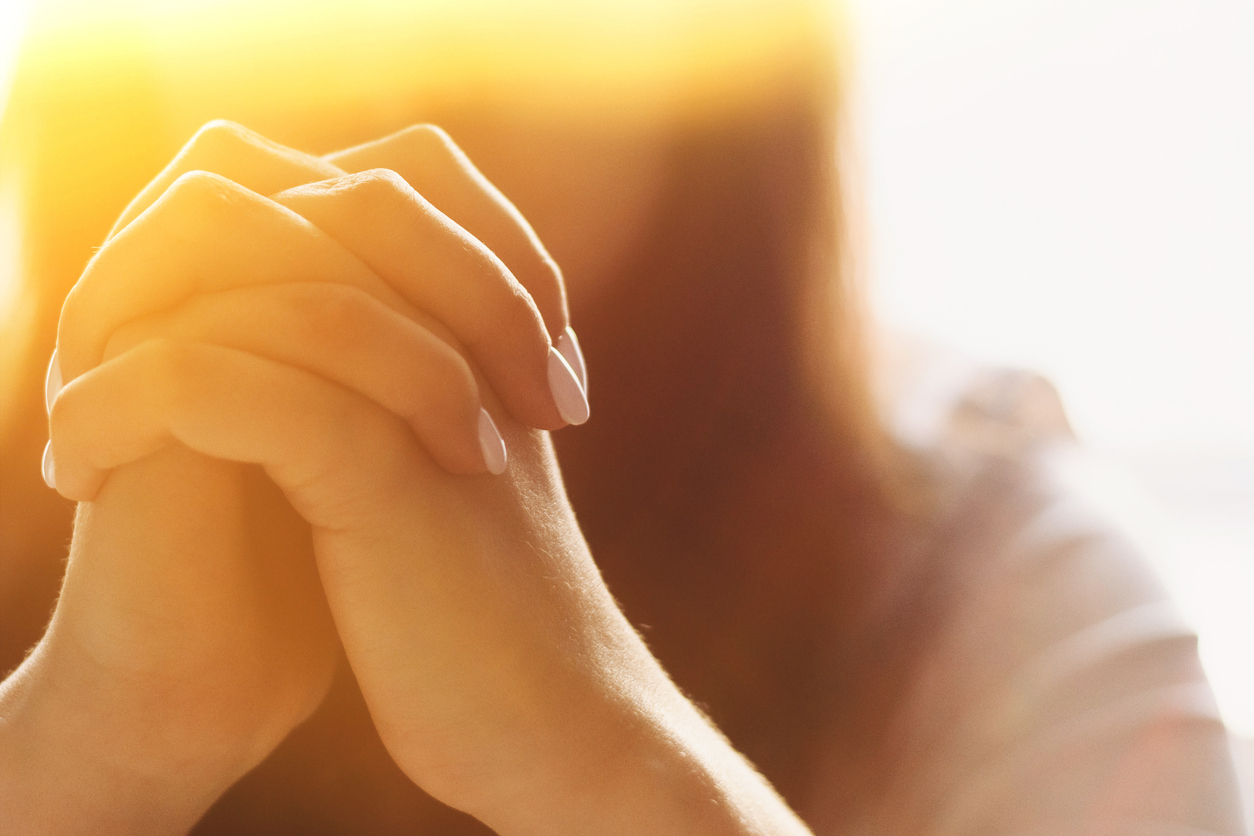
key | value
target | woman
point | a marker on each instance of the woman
(972, 654)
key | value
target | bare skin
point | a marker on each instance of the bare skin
(499, 672)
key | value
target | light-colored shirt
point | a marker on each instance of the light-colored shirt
(1060, 692)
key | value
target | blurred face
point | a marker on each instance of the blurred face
(587, 191)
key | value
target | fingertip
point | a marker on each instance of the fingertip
(49, 467)
(568, 346)
(492, 445)
(568, 394)
(78, 484)
(53, 381)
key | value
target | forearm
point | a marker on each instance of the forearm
(637, 757)
(79, 756)
(675, 774)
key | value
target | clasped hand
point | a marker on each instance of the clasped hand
(380, 332)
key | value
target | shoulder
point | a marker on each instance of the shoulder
(1059, 690)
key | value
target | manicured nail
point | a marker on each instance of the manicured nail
(571, 402)
(52, 381)
(491, 443)
(50, 475)
(568, 345)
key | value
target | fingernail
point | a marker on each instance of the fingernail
(571, 402)
(491, 443)
(50, 475)
(52, 381)
(568, 345)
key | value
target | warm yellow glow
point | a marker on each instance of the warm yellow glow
(107, 90)
(563, 58)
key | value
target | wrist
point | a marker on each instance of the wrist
(667, 770)
(83, 752)
(638, 758)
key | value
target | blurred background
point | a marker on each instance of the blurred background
(1068, 186)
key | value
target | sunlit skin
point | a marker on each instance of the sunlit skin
(343, 336)
(498, 671)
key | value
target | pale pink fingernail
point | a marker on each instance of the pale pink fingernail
(568, 345)
(568, 395)
(50, 473)
(491, 443)
(52, 381)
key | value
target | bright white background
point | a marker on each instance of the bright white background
(1068, 185)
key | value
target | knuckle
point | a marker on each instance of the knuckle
(511, 315)
(377, 185)
(548, 282)
(525, 324)
(551, 271)
(519, 317)
(200, 191)
(218, 137)
(429, 138)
